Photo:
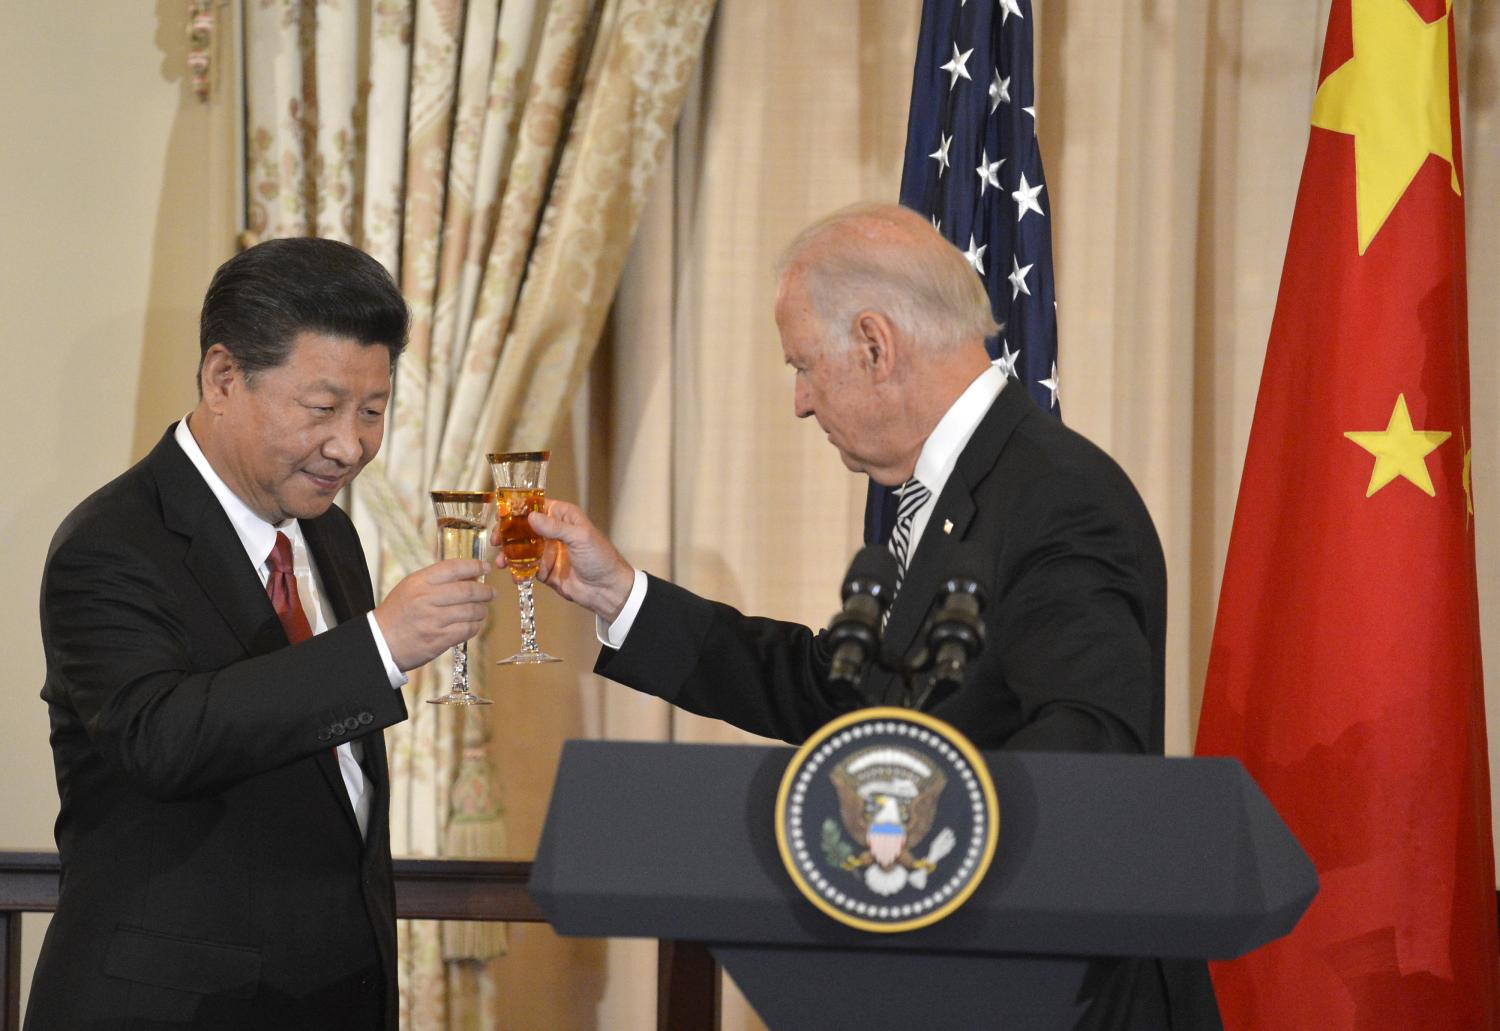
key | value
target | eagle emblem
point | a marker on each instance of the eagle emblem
(886, 819)
(888, 798)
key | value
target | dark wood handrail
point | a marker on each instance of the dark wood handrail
(426, 889)
(464, 889)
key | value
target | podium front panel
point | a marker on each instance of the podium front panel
(1099, 855)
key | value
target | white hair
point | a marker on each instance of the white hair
(888, 259)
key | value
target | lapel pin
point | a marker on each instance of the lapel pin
(947, 525)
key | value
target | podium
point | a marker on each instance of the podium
(1098, 856)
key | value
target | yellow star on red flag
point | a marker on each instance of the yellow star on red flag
(1392, 97)
(1399, 450)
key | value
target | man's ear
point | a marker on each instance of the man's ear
(878, 347)
(217, 374)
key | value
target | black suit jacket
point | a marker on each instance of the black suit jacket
(1074, 657)
(213, 872)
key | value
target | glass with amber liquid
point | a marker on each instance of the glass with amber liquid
(520, 489)
(464, 519)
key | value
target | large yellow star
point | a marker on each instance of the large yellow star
(1392, 97)
(1399, 450)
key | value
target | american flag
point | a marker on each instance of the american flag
(973, 167)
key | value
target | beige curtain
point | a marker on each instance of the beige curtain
(1173, 133)
(496, 158)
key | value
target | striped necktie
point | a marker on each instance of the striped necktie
(914, 495)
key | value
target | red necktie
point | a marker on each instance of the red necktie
(281, 585)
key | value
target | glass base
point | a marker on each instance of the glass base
(528, 659)
(459, 699)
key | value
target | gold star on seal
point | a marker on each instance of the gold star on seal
(1392, 97)
(1399, 450)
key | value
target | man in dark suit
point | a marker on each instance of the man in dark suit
(883, 323)
(218, 676)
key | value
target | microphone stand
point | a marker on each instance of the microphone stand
(955, 635)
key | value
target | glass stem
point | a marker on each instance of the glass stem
(528, 617)
(461, 668)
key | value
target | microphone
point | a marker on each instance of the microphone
(956, 634)
(854, 632)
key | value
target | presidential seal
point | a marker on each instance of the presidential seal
(887, 819)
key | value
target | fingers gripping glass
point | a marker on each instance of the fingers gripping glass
(520, 489)
(464, 519)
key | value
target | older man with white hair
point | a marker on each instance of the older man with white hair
(883, 322)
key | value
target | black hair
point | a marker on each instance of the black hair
(260, 299)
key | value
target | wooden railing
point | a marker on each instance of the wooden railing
(426, 889)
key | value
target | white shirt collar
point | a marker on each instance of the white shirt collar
(256, 535)
(949, 437)
(947, 441)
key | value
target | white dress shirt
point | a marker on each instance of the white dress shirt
(258, 537)
(935, 464)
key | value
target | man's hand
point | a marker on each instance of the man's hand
(434, 609)
(579, 562)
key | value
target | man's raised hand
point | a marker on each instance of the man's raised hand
(434, 609)
(579, 562)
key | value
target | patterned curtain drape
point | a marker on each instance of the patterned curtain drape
(495, 157)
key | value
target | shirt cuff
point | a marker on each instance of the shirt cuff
(397, 678)
(613, 635)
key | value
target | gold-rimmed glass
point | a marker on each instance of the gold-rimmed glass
(464, 519)
(520, 489)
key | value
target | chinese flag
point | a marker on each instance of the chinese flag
(1345, 669)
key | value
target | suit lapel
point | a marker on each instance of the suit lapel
(929, 564)
(215, 556)
(953, 514)
(342, 595)
(333, 571)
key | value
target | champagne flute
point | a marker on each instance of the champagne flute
(464, 519)
(520, 489)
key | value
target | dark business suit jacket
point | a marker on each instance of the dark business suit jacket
(1075, 629)
(213, 874)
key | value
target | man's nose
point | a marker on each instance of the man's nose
(343, 444)
(801, 401)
